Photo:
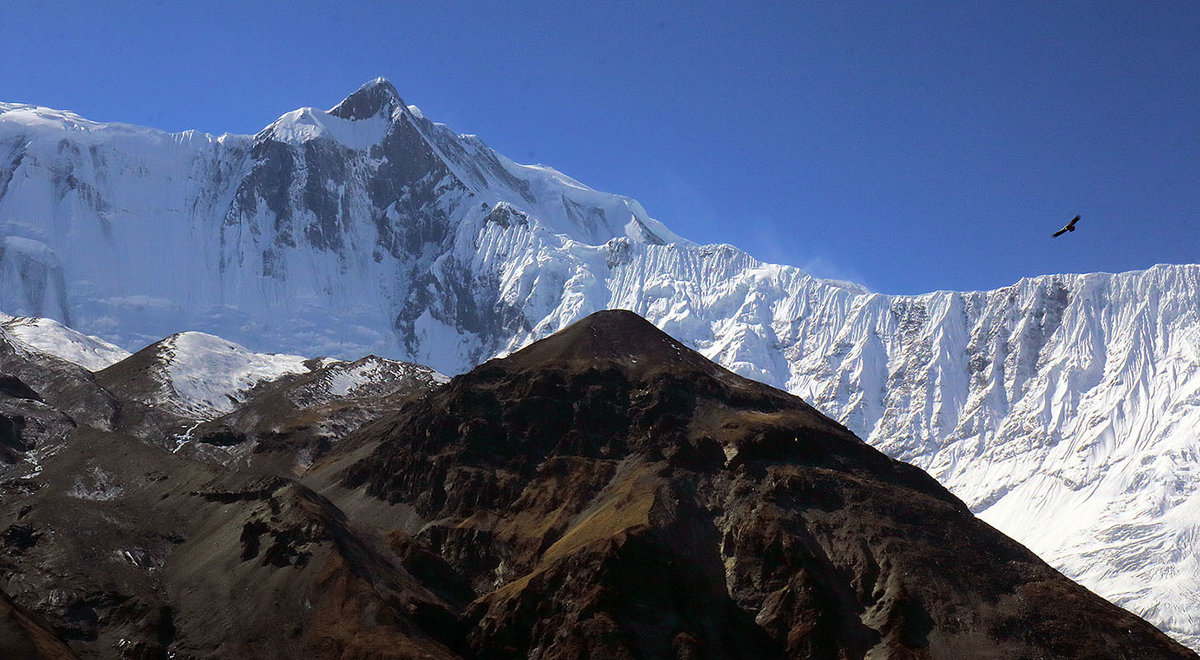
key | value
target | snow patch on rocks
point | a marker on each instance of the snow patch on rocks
(209, 375)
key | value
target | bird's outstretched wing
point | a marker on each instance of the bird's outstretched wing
(1070, 226)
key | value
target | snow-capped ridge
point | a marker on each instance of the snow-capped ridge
(305, 124)
(29, 120)
(53, 338)
(210, 372)
(370, 376)
(202, 376)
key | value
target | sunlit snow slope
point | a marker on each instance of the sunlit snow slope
(53, 338)
(331, 233)
(1064, 409)
(201, 376)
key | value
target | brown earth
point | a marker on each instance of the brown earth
(605, 492)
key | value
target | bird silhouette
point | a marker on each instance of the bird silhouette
(1070, 226)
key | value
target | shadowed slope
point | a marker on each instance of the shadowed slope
(127, 551)
(607, 491)
(22, 635)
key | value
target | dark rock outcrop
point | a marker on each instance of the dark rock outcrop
(607, 492)
(25, 635)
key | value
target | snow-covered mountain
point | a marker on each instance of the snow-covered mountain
(53, 338)
(195, 375)
(1064, 409)
(331, 233)
(193, 392)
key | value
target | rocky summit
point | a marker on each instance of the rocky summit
(604, 492)
(607, 492)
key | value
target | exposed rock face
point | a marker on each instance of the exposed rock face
(111, 546)
(133, 552)
(287, 424)
(609, 492)
(23, 635)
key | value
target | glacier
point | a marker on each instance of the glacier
(1064, 409)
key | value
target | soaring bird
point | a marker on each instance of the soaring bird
(1070, 226)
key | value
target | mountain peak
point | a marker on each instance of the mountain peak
(609, 486)
(369, 100)
(613, 335)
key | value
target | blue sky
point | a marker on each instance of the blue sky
(906, 146)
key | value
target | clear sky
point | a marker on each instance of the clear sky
(909, 146)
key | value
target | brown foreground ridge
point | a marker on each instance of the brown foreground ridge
(605, 492)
